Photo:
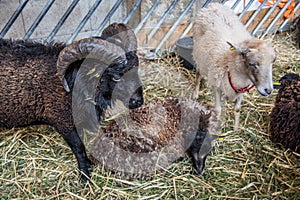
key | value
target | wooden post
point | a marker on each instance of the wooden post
(136, 17)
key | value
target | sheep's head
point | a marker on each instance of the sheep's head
(121, 35)
(121, 82)
(114, 68)
(200, 148)
(258, 57)
(287, 79)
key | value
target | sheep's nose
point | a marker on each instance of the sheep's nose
(135, 103)
(137, 99)
(268, 91)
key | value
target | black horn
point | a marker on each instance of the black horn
(123, 33)
(95, 48)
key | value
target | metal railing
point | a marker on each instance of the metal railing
(190, 6)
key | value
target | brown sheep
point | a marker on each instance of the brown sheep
(48, 84)
(145, 140)
(285, 116)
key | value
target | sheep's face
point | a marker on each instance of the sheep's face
(124, 84)
(127, 87)
(200, 148)
(259, 63)
(258, 58)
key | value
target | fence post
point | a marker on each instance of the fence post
(136, 16)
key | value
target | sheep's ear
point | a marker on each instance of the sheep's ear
(70, 75)
(234, 47)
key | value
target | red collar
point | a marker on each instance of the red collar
(240, 90)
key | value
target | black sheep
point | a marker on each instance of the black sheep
(285, 116)
(39, 83)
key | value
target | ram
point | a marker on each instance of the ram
(51, 83)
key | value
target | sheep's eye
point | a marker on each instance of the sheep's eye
(116, 78)
(253, 65)
(124, 62)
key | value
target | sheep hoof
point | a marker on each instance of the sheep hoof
(198, 172)
(195, 95)
(84, 177)
(85, 171)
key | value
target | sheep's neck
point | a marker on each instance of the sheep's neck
(239, 90)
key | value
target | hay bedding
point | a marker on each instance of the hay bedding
(151, 137)
(246, 166)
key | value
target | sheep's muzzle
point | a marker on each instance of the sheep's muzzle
(137, 99)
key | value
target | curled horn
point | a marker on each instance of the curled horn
(123, 33)
(101, 50)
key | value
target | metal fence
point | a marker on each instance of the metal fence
(259, 19)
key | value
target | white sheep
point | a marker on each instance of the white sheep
(230, 58)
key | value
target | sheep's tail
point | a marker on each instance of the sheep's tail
(123, 33)
(95, 48)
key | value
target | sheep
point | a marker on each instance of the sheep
(230, 58)
(284, 125)
(137, 144)
(39, 84)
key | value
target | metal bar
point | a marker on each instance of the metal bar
(265, 17)
(223, 1)
(107, 18)
(187, 30)
(246, 8)
(13, 18)
(84, 21)
(206, 3)
(38, 19)
(135, 6)
(288, 19)
(154, 30)
(277, 17)
(255, 13)
(235, 4)
(274, 28)
(174, 25)
(140, 25)
(62, 20)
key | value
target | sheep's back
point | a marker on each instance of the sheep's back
(220, 24)
(134, 144)
(27, 76)
(213, 27)
(285, 117)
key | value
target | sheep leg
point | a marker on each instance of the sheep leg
(237, 108)
(197, 87)
(84, 164)
(218, 105)
(198, 163)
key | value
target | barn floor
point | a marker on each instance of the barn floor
(245, 165)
